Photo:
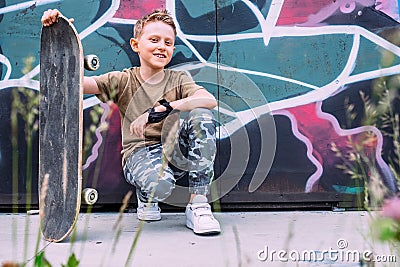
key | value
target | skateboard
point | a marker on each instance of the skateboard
(60, 129)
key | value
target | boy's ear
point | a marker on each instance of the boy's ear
(134, 44)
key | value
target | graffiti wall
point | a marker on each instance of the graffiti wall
(305, 91)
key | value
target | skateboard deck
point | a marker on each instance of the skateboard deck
(60, 129)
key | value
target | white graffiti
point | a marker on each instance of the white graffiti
(314, 178)
(6, 62)
(25, 5)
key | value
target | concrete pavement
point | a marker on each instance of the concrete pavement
(266, 238)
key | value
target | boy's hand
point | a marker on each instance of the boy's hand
(138, 126)
(51, 16)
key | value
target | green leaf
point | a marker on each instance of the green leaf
(385, 229)
(41, 261)
(72, 261)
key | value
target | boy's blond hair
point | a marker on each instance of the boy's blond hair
(155, 16)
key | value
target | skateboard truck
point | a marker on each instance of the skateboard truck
(91, 62)
(90, 195)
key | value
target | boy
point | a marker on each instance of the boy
(145, 96)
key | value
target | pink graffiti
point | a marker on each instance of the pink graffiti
(133, 9)
(319, 130)
(293, 13)
(389, 7)
(108, 157)
(312, 13)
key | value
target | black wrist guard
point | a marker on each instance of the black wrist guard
(155, 117)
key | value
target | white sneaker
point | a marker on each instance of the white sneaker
(148, 211)
(199, 217)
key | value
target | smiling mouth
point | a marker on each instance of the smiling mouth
(160, 55)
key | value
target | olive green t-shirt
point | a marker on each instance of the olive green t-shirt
(134, 96)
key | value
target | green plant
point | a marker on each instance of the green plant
(378, 110)
(24, 108)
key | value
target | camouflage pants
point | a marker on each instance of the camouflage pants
(154, 169)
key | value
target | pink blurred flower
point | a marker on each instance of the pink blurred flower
(391, 208)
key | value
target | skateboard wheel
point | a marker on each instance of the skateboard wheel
(91, 62)
(89, 196)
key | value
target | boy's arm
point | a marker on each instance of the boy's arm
(90, 86)
(200, 99)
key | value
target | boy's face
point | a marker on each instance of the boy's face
(155, 46)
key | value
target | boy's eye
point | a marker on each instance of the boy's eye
(154, 40)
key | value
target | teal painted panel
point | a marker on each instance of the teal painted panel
(370, 57)
(315, 60)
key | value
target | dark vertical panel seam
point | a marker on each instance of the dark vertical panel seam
(218, 87)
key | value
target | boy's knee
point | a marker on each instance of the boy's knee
(201, 118)
(162, 190)
(201, 113)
